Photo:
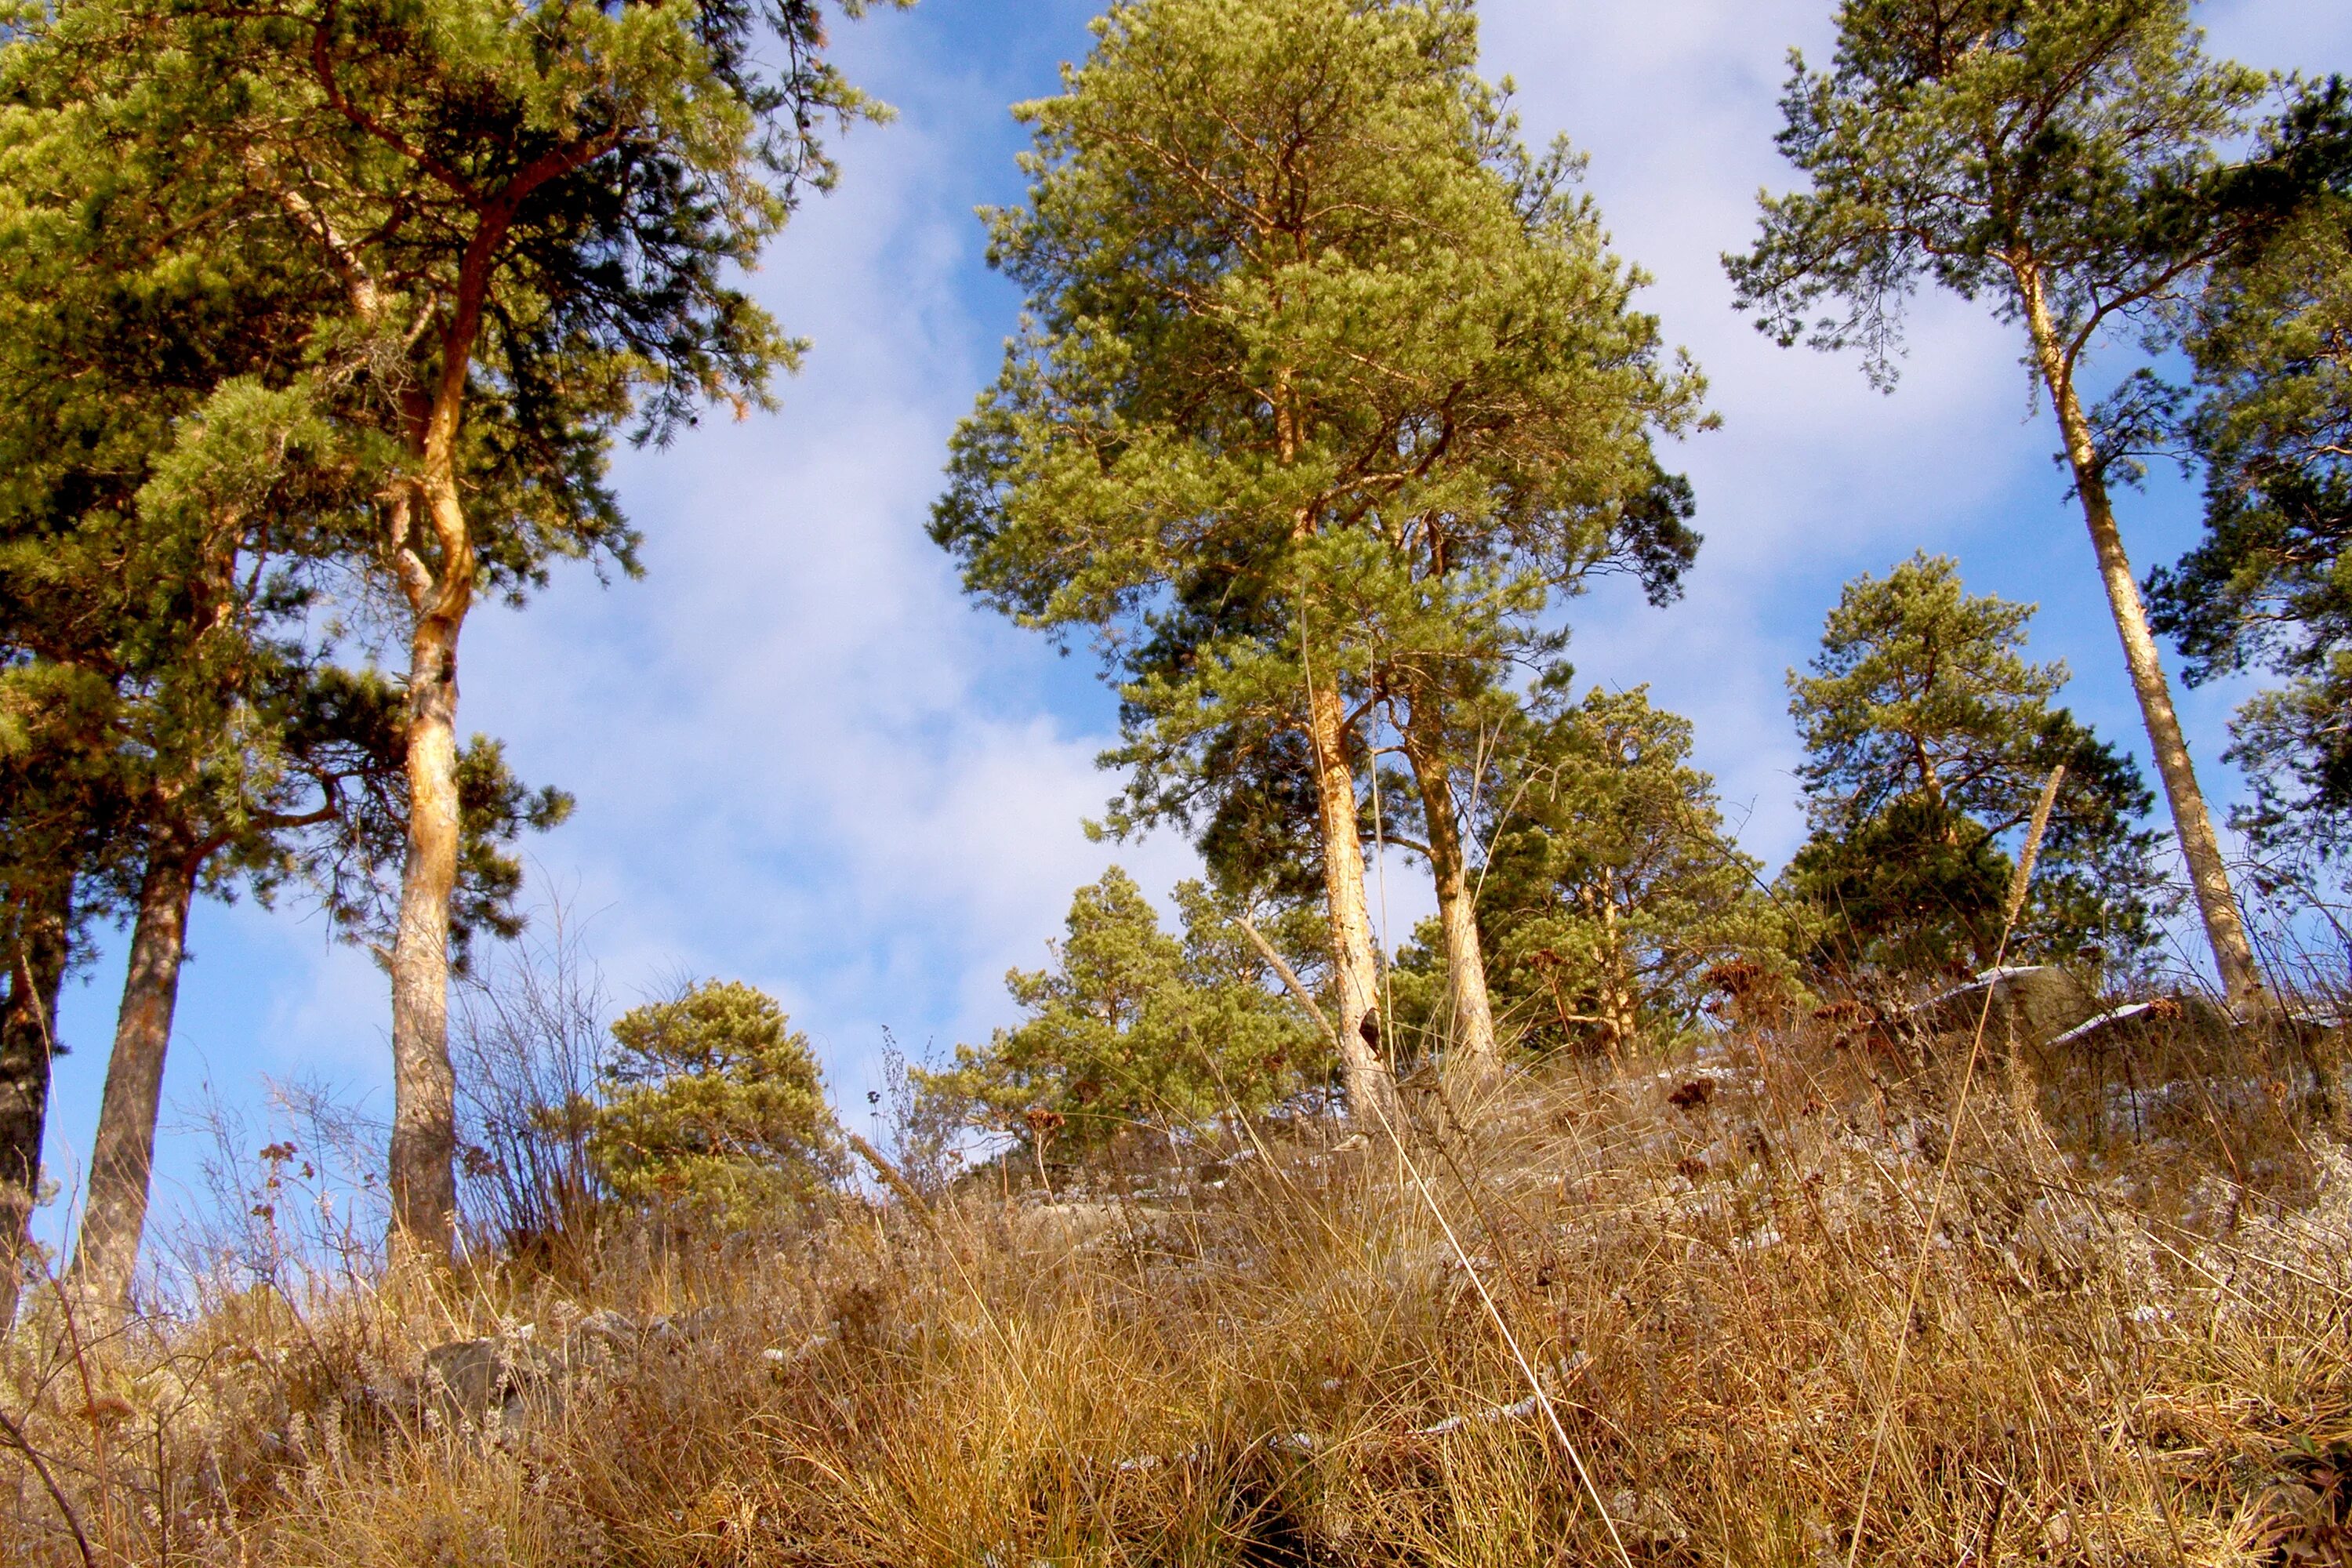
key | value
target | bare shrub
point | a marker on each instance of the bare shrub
(925, 1136)
(292, 1198)
(528, 1040)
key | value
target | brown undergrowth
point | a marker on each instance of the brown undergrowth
(2129, 1344)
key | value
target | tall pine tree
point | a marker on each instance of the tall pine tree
(1326, 384)
(2270, 583)
(528, 217)
(2057, 159)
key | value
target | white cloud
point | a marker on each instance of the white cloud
(803, 757)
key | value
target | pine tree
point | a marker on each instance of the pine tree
(527, 219)
(1327, 383)
(173, 500)
(1929, 737)
(713, 1103)
(2058, 158)
(1612, 887)
(1134, 1028)
(143, 547)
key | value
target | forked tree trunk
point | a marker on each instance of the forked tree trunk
(2209, 876)
(421, 1174)
(36, 957)
(1371, 1091)
(1470, 1015)
(123, 1156)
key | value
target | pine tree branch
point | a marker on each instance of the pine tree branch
(1290, 980)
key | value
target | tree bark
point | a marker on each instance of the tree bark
(35, 958)
(423, 1174)
(1470, 1021)
(1620, 1004)
(123, 1156)
(1372, 1090)
(2209, 876)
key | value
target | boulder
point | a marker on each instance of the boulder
(2030, 1003)
(501, 1383)
(2130, 1022)
(485, 1381)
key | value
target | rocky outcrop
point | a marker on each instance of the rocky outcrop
(499, 1383)
(2019, 1003)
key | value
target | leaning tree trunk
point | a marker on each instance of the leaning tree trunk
(36, 957)
(122, 1157)
(1471, 1015)
(2209, 876)
(1356, 975)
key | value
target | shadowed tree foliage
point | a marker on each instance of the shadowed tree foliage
(1134, 1028)
(1928, 738)
(2055, 159)
(136, 688)
(712, 1102)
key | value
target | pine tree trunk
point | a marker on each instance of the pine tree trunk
(2209, 876)
(423, 1174)
(1355, 974)
(122, 1157)
(1470, 1022)
(36, 957)
(1618, 999)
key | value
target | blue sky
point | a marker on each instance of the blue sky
(802, 760)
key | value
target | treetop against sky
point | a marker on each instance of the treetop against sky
(802, 757)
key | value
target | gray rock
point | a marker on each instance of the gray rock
(697, 1324)
(485, 1381)
(2030, 1003)
(606, 1326)
(2136, 1021)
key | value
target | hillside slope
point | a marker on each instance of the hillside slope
(2127, 1293)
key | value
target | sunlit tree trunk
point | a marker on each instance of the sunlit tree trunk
(422, 1173)
(2209, 876)
(123, 1156)
(423, 1176)
(1470, 1016)
(1355, 971)
(1619, 1003)
(35, 955)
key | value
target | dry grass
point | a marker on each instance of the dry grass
(2129, 1345)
